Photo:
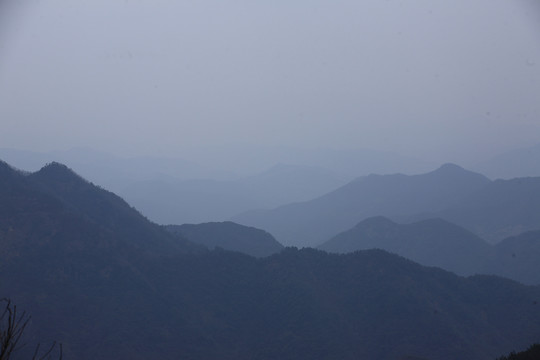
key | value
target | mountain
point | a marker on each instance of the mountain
(500, 209)
(108, 292)
(298, 304)
(517, 258)
(532, 353)
(229, 236)
(516, 163)
(285, 183)
(56, 207)
(188, 201)
(436, 242)
(174, 201)
(247, 159)
(213, 188)
(432, 242)
(312, 222)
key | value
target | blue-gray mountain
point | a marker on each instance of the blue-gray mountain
(107, 283)
(522, 162)
(174, 201)
(498, 210)
(436, 242)
(313, 222)
(433, 242)
(492, 210)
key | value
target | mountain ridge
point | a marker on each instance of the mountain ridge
(431, 242)
(102, 294)
(437, 242)
(229, 236)
(312, 222)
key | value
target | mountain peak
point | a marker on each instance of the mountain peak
(58, 172)
(453, 171)
(55, 166)
(375, 221)
(450, 166)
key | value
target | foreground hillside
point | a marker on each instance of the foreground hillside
(108, 284)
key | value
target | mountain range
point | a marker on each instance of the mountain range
(170, 200)
(522, 162)
(436, 242)
(312, 222)
(107, 283)
(432, 242)
(492, 210)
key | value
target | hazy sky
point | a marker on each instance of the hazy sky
(438, 79)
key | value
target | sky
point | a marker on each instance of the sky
(435, 79)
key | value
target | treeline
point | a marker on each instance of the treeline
(532, 353)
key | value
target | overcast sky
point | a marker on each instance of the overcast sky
(438, 79)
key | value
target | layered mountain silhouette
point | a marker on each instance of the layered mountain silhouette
(229, 236)
(523, 162)
(107, 283)
(433, 242)
(313, 222)
(517, 258)
(492, 210)
(500, 209)
(436, 242)
(55, 204)
(174, 201)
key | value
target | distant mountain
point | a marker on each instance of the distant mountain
(436, 242)
(285, 183)
(433, 242)
(523, 162)
(99, 278)
(498, 210)
(211, 187)
(107, 170)
(347, 163)
(170, 201)
(229, 236)
(517, 258)
(188, 201)
(313, 222)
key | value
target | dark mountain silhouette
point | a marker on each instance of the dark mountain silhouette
(433, 242)
(229, 236)
(313, 222)
(108, 293)
(532, 353)
(56, 207)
